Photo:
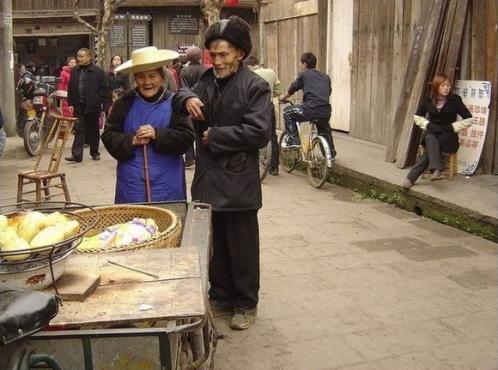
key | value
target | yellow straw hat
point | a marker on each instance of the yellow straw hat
(146, 59)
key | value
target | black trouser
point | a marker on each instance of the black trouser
(87, 128)
(234, 266)
(294, 113)
(190, 154)
(430, 159)
(273, 139)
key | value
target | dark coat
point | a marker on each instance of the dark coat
(191, 74)
(98, 94)
(175, 139)
(440, 121)
(118, 81)
(227, 169)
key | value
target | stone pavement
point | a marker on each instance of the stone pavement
(346, 282)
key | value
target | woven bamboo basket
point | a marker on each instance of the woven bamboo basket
(169, 225)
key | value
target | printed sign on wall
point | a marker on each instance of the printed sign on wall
(476, 95)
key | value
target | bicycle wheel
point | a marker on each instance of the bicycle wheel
(318, 170)
(264, 160)
(288, 156)
(32, 137)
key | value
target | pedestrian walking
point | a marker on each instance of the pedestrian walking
(89, 95)
(230, 108)
(145, 136)
(269, 76)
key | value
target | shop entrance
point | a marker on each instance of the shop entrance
(49, 53)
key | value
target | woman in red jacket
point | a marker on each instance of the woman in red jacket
(64, 83)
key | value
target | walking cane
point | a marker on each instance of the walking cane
(148, 196)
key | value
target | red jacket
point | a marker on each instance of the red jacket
(63, 85)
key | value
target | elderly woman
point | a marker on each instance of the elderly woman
(143, 117)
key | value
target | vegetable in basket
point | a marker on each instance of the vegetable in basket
(119, 235)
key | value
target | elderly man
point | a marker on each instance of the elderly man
(230, 108)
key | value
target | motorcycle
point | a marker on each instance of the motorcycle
(23, 313)
(37, 103)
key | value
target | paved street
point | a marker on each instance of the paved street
(346, 283)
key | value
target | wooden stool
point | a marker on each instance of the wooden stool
(42, 179)
(449, 161)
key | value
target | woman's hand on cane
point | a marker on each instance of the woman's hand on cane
(144, 135)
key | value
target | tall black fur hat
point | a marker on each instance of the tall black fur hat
(235, 30)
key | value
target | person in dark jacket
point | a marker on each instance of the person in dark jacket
(118, 81)
(316, 88)
(88, 94)
(190, 75)
(230, 107)
(436, 116)
(144, 116)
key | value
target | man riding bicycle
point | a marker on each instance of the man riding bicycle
(316, 88)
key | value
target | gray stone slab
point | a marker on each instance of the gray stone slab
(476, 279)
(389, 244)
(421, 254)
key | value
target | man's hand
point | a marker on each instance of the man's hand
(284, 98)
(193, 107)
(205, 136)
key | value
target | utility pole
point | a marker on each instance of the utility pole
(7, 89)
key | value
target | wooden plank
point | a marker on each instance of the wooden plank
(359, 127)
(355, 60)
(413, 84)
(117, 300)
(490, 150)
(285, 9)
(77, 284)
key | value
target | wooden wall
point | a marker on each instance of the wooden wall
(288, 29)
(162, 38)
(383, 32)
(382, 36)
(480, 62)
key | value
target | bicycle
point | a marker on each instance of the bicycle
(264, 160)
(314, 152)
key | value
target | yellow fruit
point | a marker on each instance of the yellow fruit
(16, 218)
(31, 224)
(56, 218)
(71, 228)
(4, 222)
(10, 242)
(48, 236)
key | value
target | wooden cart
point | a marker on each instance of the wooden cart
(155, 319)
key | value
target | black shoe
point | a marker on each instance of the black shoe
(273, 171)
(73, 159)
(96, 157)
